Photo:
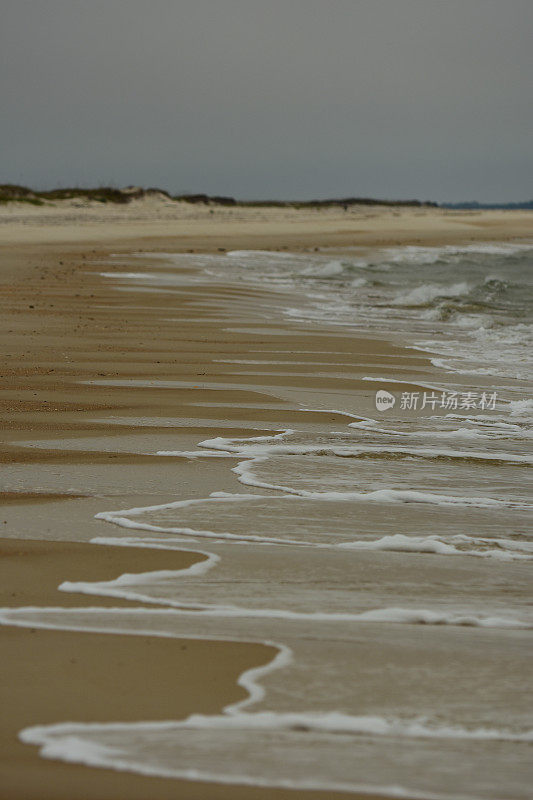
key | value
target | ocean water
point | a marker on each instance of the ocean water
(386, 557)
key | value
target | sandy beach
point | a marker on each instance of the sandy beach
(77, 441)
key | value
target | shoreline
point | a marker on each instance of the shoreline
(64, 324)
(48, 672)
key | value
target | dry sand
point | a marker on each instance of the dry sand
(188, 226)
(62, 324)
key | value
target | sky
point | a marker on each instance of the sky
(288, 99)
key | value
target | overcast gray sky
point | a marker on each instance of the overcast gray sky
(270, 98)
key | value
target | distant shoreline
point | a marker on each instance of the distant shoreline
(10, 193)
(13, 193)
(473, 205)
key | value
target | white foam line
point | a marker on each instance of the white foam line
(198, 568)
(122, 518)
(392, 615)
(327, 722)
(496, 430)
(502, 549)
(498, 433)
(196, 454)
(249, 679)
(433, 544)
(74, 750)
(218, 441)
(119, 518)
(413, 382)
(230, 445)
(246, 476)
(167, 543)
(65, 741)
(113, 587)
(510, 549)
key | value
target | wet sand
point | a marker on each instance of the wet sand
(63, 328)
(51, 676)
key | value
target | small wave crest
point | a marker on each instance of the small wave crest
(427, 293)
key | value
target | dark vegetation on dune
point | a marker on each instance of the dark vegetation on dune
(11, 193)
(342, 202)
